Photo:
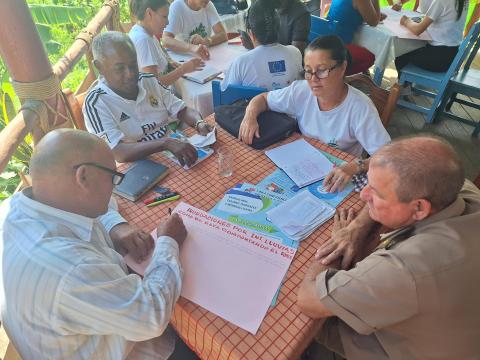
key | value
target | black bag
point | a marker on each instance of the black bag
(225, 6)
(242, 4)
(274, 126)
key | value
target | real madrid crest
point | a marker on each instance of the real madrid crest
(153, 101)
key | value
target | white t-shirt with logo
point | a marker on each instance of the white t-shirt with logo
(352, 126)
(445, 30)
(115, 119)
(184, 22)
(149, 50)
(272, 66)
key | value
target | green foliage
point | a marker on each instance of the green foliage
(57, 15)
(58, 22)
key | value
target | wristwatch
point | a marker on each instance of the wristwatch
(197, 123)
(361, 165)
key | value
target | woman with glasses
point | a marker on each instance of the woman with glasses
(270, 64)
(326, 109)
(152, 17)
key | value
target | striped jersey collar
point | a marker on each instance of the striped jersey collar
(142, 93)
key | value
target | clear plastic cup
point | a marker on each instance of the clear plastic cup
(225, 161)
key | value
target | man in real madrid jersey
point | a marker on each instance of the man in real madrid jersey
(131, 111)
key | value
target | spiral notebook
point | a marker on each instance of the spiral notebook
(301, 162)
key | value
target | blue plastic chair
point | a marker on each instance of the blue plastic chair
(233, 93)
(436, 80)
(466, 82)
(320, 27)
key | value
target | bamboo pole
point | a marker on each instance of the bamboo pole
(27, 61)
(83, 41)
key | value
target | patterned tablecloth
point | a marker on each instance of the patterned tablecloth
(285, 332)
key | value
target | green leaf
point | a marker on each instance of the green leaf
(7, 87)
(8, 109)
(45, 32)
(57, 15)
(8, 175)
(53, 47)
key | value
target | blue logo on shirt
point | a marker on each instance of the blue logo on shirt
(276, 66)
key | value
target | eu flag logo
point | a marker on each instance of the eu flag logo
(276, 66)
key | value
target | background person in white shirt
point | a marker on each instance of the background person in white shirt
(326, 109)
(132, 111)
(197, 24)
(152, 17)
(444, 21)
(270, 64)
(66, 292)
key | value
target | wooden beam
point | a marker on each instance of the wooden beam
(83, 42)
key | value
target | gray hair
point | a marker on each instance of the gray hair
(106, 40)
(427, 167)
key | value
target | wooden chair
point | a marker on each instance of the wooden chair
(384, 100)
(76, 102)
(477, 181)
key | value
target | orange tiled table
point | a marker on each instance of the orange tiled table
(285, 332)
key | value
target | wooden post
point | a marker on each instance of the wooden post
(26, 61)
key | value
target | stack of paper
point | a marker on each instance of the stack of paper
(301, 162)
(202, 76)
(230, 271)
(299, 216)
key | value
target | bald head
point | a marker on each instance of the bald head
(61, 149)
(59, 181)
(427, 167)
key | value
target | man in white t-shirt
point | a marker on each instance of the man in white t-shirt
(131, 111)
(193, 24)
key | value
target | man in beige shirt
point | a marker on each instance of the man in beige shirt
(416, 296)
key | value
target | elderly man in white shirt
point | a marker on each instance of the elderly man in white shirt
(65, 291)
(132, 111)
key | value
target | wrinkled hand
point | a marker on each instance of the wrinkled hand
(173, 226)
(403, 20)
(248, 129)
(339, 177)
(192, 65)
(344, 244)
(204, 128)
(202, 51)
(384, 16)
(131, 240)
(196, 39)
(183, 151)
